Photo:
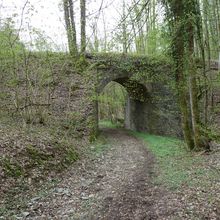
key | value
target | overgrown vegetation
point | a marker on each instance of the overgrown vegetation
(47, 95)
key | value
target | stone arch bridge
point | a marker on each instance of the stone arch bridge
(151, 104)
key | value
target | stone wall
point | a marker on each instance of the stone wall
(158, 114)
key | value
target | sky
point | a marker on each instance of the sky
(46, 16)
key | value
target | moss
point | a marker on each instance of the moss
(81, 64)
(139, 65)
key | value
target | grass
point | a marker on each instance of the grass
(109, 124)
(12, 169)
(175, 165)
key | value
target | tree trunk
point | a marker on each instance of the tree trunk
(70, 26)
(181, 86)
(178, 52)
(83, 25)
(193, 88)
(124, 30)
(73, 28)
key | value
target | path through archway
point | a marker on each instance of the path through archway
(111, 105)
(127, 103)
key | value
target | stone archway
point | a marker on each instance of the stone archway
(138, 104)
(151, 105)
(144, 107)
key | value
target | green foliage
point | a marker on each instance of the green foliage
(112, 102)
(144, 68)
(152, 42)
(91, 124)
(81, 64)
(211, 132)
(10, 44)
(41, 41)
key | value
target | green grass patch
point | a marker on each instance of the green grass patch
(176, 166)
(12, 168)
(109, 124)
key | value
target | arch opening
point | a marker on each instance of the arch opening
(111, 105)
(125, 103)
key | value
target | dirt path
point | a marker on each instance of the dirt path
(116, 186)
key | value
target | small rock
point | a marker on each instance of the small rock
(59, 190)
(25, 214)
(35, 199)
(62, 191)
(67, 192)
